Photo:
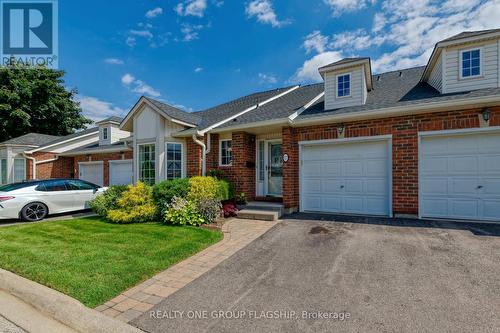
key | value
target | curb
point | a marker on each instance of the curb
(61, 307)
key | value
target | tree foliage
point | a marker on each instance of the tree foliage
(34, 99)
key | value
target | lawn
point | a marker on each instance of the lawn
(93, 261)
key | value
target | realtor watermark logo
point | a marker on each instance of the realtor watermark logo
(29, 32)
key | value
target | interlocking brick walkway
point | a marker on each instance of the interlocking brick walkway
(139, 299)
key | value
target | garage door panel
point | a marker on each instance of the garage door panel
(354, 178)
(92, 173)
(472, 174)
(352, 168)
(434, 186)
(491, 209)
(312, 168)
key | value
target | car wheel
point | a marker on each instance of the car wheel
(35, 211)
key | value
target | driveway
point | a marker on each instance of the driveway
(360, 275)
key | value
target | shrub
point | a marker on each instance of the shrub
(229, 209)
(164, 192)
(183, 212)
(241, 199)
(209, 209)
(106, 201)
(135, 206)
(226, 190)
(215, 173)
(203, 188)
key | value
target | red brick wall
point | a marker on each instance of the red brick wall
(404, 149)
(128, 155)
(194, 162)
(61, 168)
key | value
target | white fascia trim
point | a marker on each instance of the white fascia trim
(461, 131)
(276, 122)
(101, 151)
(397, 111)
(253, 107)
(469, 39)
(62, 142)
(305, 107)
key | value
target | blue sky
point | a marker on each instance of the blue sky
(199, 53)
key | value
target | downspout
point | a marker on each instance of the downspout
(203, 154)
(33, 165)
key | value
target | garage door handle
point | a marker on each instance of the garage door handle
(480, 187)
(342, 186)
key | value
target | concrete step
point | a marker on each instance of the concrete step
(266, 206)
(261, 215)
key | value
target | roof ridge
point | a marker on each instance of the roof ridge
(399, 70)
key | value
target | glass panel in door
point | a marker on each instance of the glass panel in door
(275, 172)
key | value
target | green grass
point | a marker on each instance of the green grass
(93, 261)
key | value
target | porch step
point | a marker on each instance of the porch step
(261, 215)
(265, 211)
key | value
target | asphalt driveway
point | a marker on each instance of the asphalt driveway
(363, 275)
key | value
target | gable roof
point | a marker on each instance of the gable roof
(112, 119)
(344, 62)
(468, 34)
(31, 139)
(69, 137)
(188, 117)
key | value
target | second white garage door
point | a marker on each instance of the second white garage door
(120, 172)
(91, 172)
(460, 176)
(346, 178)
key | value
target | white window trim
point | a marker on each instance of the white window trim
(220, 153)
(183, 158)
(14, 168)
(6, 171)
(460, 63)
(139, 158)
(105, 130)
(337, 85)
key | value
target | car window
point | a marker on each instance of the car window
(76, 184)
(52, 186)
(16, 186)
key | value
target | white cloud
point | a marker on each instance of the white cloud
(315, 41)
(96, 109)
(191, 8)
(340, 6)
(142, 33)
(113, 61)
(131, 41)
(190, 32)
(263, 10)
(127, 79)
(267, 78)
(139, 86)
(198, 69)
(355, 40)
(309, 70)
(154, 12)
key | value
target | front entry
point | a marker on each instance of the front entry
(269, 168)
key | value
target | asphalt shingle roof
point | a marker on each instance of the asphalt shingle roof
(71, 136)
(467, 34)
(31, 139)
(398, 88)
(282, 107)
(345, 61)
(188, 117)
(114, 119)
(96, 147)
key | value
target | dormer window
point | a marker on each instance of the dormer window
(344, 85)
(105, 133)
(470, 63)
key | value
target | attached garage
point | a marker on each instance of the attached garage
(346, 176)
(120, 172)
(459, 175)
(91, 172)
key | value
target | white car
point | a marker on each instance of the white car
(34, 200)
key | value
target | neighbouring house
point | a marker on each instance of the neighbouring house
(422, 141)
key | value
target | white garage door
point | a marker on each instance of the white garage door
(91, 172)
(120, 172)
(346, 178)
(460, 177)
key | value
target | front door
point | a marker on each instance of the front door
(275, 170)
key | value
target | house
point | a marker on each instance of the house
(422, 141)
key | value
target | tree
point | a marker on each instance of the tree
(34, 99)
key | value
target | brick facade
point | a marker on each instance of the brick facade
(404, 131)
(105, 158)
(194, 162)
(61, 168)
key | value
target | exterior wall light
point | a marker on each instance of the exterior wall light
(486, 114)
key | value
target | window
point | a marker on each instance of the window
(52, 186)
(3, 171)
(471, 63)
(105, 133)
(226, 152)
(147, 170)
(80, 185)
(19, 170)
(174, 160)
(261, 161)
(344, 85)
